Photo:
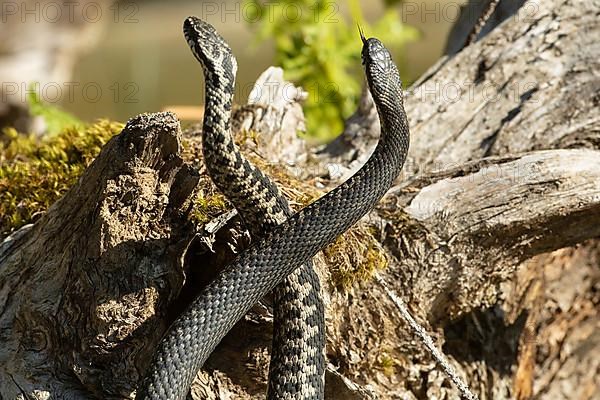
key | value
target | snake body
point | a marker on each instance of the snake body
(260, 268)
(297, 358)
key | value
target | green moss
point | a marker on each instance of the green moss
(355, 256)
(387, 364)
(207, 207)
(246, 135)
(35, 172)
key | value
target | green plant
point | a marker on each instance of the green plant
(319, 49)
(56, 119)
(35, 172)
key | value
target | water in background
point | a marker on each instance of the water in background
(142, 62)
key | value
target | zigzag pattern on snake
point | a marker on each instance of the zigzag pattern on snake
(297, 358)
(265, 264)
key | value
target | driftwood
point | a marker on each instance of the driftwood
(76, 285)
(503, 169)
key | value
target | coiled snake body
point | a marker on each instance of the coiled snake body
(286, 247)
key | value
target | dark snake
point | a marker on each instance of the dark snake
(299, 318)
(286, 247)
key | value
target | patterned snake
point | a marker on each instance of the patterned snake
(286, 248)
(299, 320)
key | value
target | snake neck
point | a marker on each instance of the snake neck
(392, 117)
(389, 101)
(254, 196)
(217, 114)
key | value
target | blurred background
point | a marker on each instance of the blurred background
(106, 59)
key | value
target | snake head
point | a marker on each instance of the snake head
(375, 55)
(382, 74)
(208, 47)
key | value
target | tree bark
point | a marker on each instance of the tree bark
(79, 288)
(531, 84)
(503, 169)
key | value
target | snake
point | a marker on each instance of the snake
(297, 366)
(286, 246)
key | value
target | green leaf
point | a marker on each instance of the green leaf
(323, 56)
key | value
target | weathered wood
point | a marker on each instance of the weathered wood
(473, 12)
(454, 237)
(79, 289)
(483, 219)
(531, 84)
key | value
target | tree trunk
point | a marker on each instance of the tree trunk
(503, 176)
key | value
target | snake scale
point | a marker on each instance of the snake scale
(285, 247)
(299, 317)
